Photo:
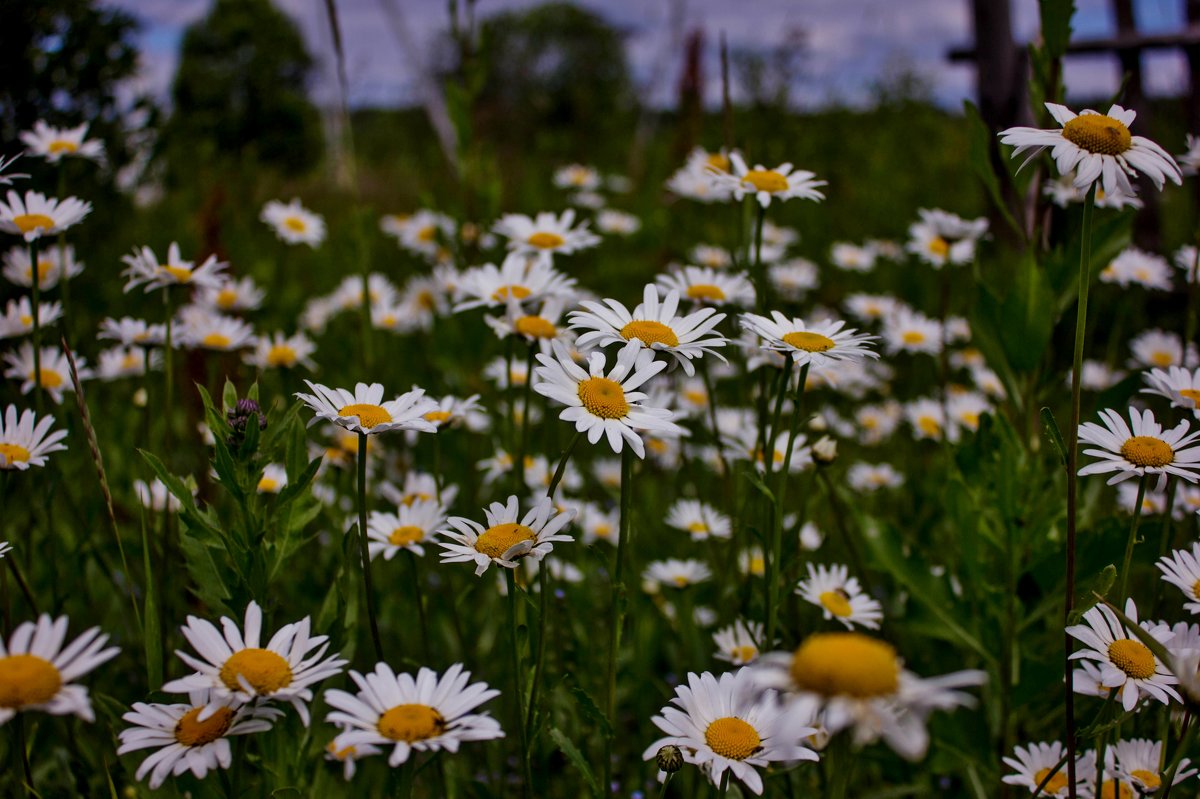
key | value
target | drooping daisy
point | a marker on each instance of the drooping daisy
(1097, 147)
(839, 596)
(1143, 449)
(699, 519)
(706, 286)
(231, 295)
(726, 724)
(942, 238)
(852, 258)
(214, 331)
(293, 223)
(279, 351)
(239, 665)
(1182, 569)
(54, 264)
(132, 332)
(653, 324)
(54, 144)
(1181, 386)
(1140, 762)
(1124, 661)
(190, 737)
(674, 573)
(820, 345)
(55, 377)
(504, 540)
(365, 411)
(545, 234)
(18, 317)
(1136, 267)
(38, 673)
(273, 480)
(452, 410)
(605, 404)
(1033, 764)
(1157, 348)
(143, 268)
(739, 642)
(793, 277)
(426, 714)
(37, 215)
(911, 331)
(781, 183)
(408, 528)
(349, 756)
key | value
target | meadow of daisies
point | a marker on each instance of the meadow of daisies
(897, 518)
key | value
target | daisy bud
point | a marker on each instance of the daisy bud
(669, 759)
(824, 452)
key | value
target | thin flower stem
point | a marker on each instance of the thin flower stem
(1101, 745)
(562, 464)
(527, 396)
(774, 566)
(23, 753)
(24, 586)
(712, 416)
(724, 789)
(662, 792)
(1041, 786)
(364, 551)
(760, 271)
(617, 604)
(1085, 247)
(1126, 564)
(1186, 741)
(518, 677)
(168, 373)
(543, 607)
(415, 571)
(37, 329)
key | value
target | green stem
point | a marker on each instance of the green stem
(543, 607)
(36, 298)
(1041, 786)
(518, 677)
(562, 464)
(662, 792)
(527, 396)
(1126, 563)
(1085, 247)
(724, 789)
(24, 586)
(760, 271)
(1187, 740)
(773, 563)
(23, 754)
(712, 416)
(617, 604)
(168, 373)
(364, 551)
(414, 568)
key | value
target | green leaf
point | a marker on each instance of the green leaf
(1056, 25)
(228, 396)
(1054, 434)
(590, 710)
(206, 577)
(979, 156)
(576, 757)
(152, 631)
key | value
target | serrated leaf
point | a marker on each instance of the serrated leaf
(1056, 25)
(1054, 434)
(573, 754)
(590, 710)
(206, 577)
(228, 396)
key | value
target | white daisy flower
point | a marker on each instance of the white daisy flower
(1154, 503)
(966, 408)
(519, 278)
(700, 519)
(418, 487)
(539, 472)
(617, 223)
(707, 286)
(54, 264)
(577, 177)
(605, 404)
(54, 144)
(504, 540)
(695, 179)
(877, 422)
(37, 215)
(38, 673)
(420, 302)
(868, 477)
(1189, 161)
(598, 524)
(18, 317)
(214, 331)
(793, 277)
(1033, 764)
(407, 528)
(233, 664)
(1181, 386)
(653, 324)
(365, 411)
(1157, 348)
(1143, 449)
(156, 496)
(674, 573)
(852, 258)
(1097, 147)
(118, 362)
(1096, 376)
(823, 344)
(505, 377)
(190, 737)
(911, 331)
(1140, 762)
(1185, 260)
(452, 410)
(710, 257)
(839, 596)
(727, 724)
(781, 183)
(739, 642)
(55, 377)
(144, 268)
(349, 756)
(545, 234)
(231, 294)
(777, 236)
(273, 480)
(942, 238)
(131, 332)
(752, 562)
(280, 351)
(348, 295)
(426, 714)
(541, 327)
(1137, 267)
(871, 307)
(1182, 569)
(1124, 661)
(293, 223)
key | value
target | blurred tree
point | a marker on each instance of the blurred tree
(61, 60)
(240, 92)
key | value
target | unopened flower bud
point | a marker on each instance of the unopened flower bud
(824, 451)
(669, 759)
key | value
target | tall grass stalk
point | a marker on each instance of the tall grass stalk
(364, 551)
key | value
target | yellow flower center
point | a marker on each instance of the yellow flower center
(705, 291)
(1190, 394)
(216, 341)
(1162, 358)
(29, 222)
(345, 753)
(696, 397)
(26, 320)
(427, 233)
(1132, 657)
(405, 535)
(1116, 790)
(515, 291)
(497, 540)
(851, 664)
(837, 603)
(604, 398)
(295, 224)
(368, 415)
(426, 300)
(681, 581)
(226, 298)
(264, 670)
(44, 268)
(62, 146)
(268, 485)
(767, 180)
(732, 738)
(13, 453)
(49, 378)
(929, 426)
(1150, 781)
(758, 565)
(27, 680)
(1054, 785)
(546, 241)
(939, 247)
(744, 653)
(189, 731)
(1098, 134)
(181, 273)
(411, 723)
(281, 355)
(808, 341)
(535, 327)
(438, 417)
(650, 332)
(1147, 451)
(913, 337)
(697, 528)
(718, 161)
(969, 419)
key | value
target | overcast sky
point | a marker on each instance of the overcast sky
(852, 44)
